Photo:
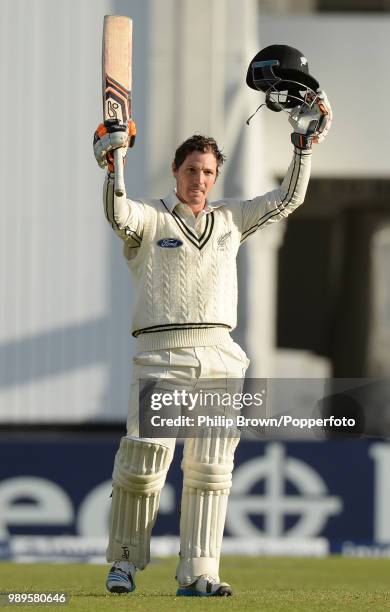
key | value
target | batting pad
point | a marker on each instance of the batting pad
(207, 466)
(139, 474)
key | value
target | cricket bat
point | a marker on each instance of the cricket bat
(116, 78)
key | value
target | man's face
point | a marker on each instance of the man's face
(195, 178)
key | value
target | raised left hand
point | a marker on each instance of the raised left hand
(312, 121)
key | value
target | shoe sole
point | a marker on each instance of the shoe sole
(120, 590)
(186, 592)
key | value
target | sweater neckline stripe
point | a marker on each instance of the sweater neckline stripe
(184, 226)
(205, 237)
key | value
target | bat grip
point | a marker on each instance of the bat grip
(119, 181)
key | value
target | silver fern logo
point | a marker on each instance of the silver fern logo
(222, 241)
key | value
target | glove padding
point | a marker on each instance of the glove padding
(311, 123)
(109, 136)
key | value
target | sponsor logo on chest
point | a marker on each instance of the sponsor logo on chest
(169, 243)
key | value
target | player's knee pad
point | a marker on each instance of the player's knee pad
(207, 466)
(208, 459)
(141, 466)
(139, 473)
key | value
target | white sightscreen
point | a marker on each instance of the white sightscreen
(65, 290)
(64, 313)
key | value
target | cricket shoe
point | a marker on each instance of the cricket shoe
(120, 578)
(206, 586)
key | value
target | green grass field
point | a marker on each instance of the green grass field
(267, 584)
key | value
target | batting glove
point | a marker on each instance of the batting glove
(312, 121)
(109, 136)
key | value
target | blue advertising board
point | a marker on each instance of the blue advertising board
(59, 485)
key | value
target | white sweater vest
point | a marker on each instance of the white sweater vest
(185, 285)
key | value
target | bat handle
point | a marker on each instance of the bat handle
(119, 181)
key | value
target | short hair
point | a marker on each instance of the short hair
(203, 144)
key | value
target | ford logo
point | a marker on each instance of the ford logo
(169, 243)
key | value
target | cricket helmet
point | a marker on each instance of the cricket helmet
(282, 73)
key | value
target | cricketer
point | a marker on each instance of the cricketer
(181, 250)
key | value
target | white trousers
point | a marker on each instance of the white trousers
(206, 465)
(188, 366)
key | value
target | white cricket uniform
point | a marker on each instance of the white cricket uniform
(185, 288)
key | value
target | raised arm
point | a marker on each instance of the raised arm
(279, 203)
(311, 124)
(125, 216)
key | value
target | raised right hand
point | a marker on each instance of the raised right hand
(109, 136)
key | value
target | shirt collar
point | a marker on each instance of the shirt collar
(171, 201)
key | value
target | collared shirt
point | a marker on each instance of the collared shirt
(197, 222)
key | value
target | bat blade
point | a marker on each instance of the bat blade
(116, 79)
